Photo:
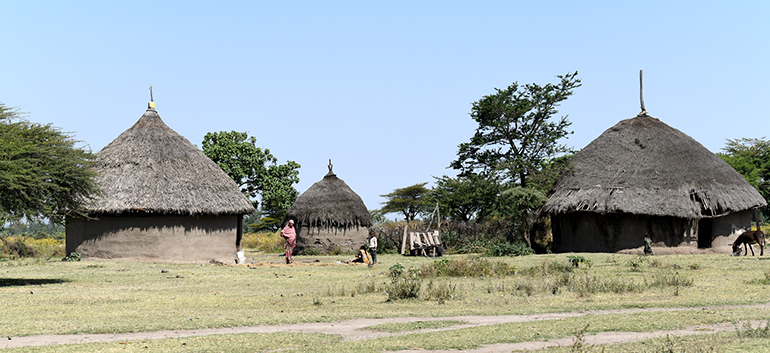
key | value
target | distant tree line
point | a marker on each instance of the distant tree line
(751, 158)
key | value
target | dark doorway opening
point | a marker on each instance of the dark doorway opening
(705, 230)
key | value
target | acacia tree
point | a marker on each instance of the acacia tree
(516, 136)
(256, 171)
(751, 158)
(42, 173)
(464, 198)
(408, 201)
(515, 132)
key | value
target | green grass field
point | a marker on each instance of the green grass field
(46, 297)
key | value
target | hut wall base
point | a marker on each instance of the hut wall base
(328, 239)
(726, 229)
(154, 238)
(593, 232)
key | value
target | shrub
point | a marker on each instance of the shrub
(73, 256)
(404, 284)
(637, 262)
(17, 247)
(575, 261)
(441, 291)
(669, 280)
(509, 249)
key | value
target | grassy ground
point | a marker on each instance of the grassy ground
(47, 297)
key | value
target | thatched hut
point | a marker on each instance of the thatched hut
(330, 215)
(162, 199)
(643, 178)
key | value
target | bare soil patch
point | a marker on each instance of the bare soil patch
(354, 330)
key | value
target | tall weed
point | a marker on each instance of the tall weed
(404, 284)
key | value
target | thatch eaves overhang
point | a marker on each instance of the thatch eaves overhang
(642, 166)
(329, 203)
(151, 169)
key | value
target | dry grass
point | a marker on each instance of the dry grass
(265, 242)
(54, 297)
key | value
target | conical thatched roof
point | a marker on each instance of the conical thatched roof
(329, 203)
(643, 166)
(151, 169)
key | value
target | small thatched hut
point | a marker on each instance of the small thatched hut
(643, 177)
(330, 215)
(162, 199)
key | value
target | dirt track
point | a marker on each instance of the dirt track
(352, 330)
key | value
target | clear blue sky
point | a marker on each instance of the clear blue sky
(383, 88)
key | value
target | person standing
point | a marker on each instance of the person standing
(291, 239)
(373, 247)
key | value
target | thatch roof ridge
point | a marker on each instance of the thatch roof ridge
(151, 169)
(329, 203)
(643, 166)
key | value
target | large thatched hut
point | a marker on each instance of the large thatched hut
(162, 199)
(643, 177)
(330, 215)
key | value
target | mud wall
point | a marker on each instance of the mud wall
(155, 238)
(348, 240)
(725, 229)
(593, 232)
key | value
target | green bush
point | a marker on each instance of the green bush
(73, 256)
(404, 284)
(576, 260)
(441, 291)
(509, 249)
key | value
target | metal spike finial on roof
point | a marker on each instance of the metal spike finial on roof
(330, 166)
(152, 101)
(641, 94)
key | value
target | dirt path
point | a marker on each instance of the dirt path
(353, 330)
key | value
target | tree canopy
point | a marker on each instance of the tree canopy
(256, 171)
(751, 158)
(516, 144)
(42, 173)
(408, 201)
(515, 133)
(465, 198)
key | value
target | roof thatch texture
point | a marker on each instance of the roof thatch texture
(643, 166)
(151, 169)
(329, 203)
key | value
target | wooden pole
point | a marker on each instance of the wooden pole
(641, 93)
(756, 218)
(403, 242)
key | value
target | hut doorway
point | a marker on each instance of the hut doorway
(705, 232)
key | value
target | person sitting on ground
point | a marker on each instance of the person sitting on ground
(361, 257)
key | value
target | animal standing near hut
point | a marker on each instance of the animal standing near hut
(748, 238)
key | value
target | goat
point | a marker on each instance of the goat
(748, 238)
